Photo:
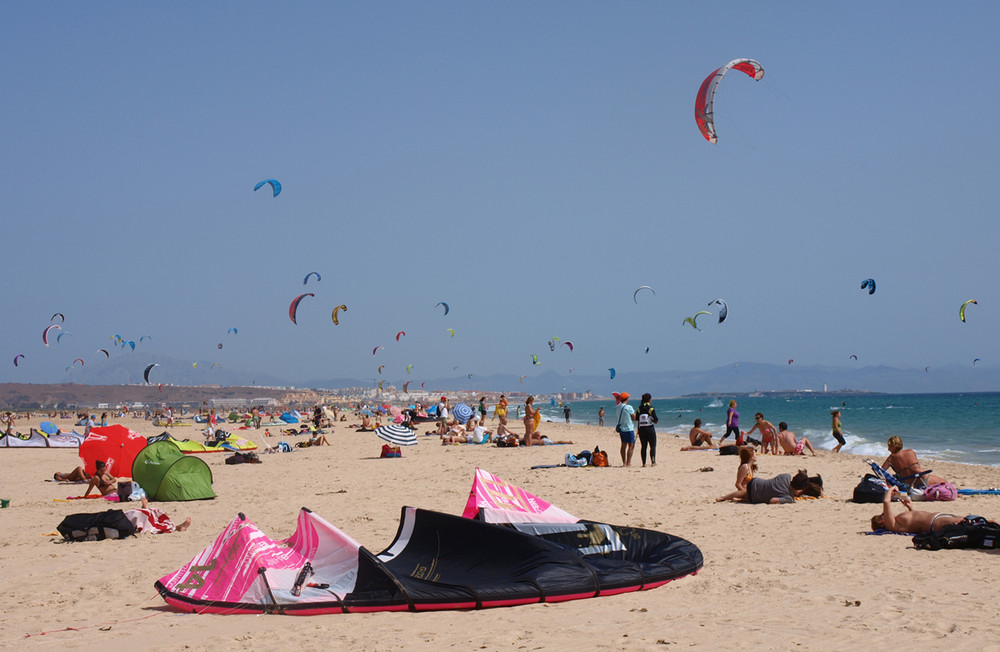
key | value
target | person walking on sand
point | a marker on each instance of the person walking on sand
(837, 433)
(790, 445)
(732, 423)
(600, 416)
(626, 431)
(647, 429)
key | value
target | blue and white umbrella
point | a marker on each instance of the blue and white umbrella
(462, 412)
(397, 435)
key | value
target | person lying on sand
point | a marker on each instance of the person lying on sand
(789, 444)
(904, 463)
(773, 491)
(103, 481)
(150, 519)
(76, 475)
(911, 521)
(537, 439)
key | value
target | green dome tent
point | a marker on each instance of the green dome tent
(165, 473)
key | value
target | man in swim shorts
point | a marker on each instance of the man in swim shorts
(626, 431)
(911, 521)
(790, 444)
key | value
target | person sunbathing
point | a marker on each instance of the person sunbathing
(150, 519)
(790, 444)
(103, 481)
(782, 488)
(456, 435)
(319, 439)
(911, 521)
(538, 439)
(904, 463)
(76, 475)
(700, 437)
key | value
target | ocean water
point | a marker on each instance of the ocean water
(951, 427)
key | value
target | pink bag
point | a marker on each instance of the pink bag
(941, 491)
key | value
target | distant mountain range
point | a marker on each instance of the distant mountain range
(737, 377)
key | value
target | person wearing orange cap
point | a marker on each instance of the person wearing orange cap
(625, 429)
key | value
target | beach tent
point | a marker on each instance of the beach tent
(437, 561)
(116, 445)
(288, 417)
(495, 501)
(165, 473)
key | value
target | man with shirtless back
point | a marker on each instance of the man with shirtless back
(904, 463)
(790, 445)
(911, 521)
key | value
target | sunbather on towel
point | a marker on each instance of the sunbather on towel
(76, 475)
(911, 521)
(904, 463)
(150, 519)
(103, 481)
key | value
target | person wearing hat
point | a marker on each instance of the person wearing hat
(625, 429)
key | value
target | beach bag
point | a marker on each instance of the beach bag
(573, 460)
(870, 490)
(729, 450)
(391, 451)
(940, 491)
(111, 524)
(598, 458)
(284, 447)
(973, 532)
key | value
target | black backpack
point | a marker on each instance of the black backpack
(111, 524)
(869, 490)
(973, 532)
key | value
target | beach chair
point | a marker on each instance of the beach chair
(891, 480)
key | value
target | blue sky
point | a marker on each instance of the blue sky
(531, 164)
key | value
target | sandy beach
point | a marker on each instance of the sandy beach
(775, 577)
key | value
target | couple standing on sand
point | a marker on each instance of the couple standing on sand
(646, 418)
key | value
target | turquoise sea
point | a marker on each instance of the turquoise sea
(950, 427)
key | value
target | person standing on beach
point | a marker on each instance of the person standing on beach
(529, 420)
(482, 408)
(647, 430)
(624, 427)
(732, 423)
(600, 416)
(500, 411)
(566, 411)
(768, 438)
(837, 434)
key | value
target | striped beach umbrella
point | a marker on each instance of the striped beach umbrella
(397, 435)
(462, 412)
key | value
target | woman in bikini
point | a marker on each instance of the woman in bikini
(529, 420)
(748, 466)
(904, 463)
(103, 481)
